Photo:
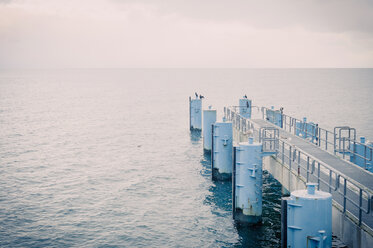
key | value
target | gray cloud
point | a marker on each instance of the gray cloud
(156, 33)
(315, 15)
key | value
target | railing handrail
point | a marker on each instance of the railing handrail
(338, 175)
(326, 165)
(318, 138)
(337, 172)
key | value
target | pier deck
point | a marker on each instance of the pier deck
(352, 171)
(350, 185)
(301, 152)
(340, 166)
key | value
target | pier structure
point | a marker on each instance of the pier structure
(209, 118)
(306, 153)
(195, 113)
(307, 218)
(247, 179)
(222, 150)
(245, 107)
(247, 182)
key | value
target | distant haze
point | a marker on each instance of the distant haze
(176, 33)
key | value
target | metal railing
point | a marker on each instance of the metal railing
(269, 137)
(339, 130)
(349, 147)
(352, 196)
(341, 142)
(239, 122)
(310, 131)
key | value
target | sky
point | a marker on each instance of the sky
(186, 33)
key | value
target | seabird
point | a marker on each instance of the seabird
(201, 97)
(245, 96)
(195, 93)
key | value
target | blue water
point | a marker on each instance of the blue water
(105, 158)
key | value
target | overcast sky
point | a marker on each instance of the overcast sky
(189, 33)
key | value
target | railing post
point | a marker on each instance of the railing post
(330, 181)
(339, 139)
(290, 152)
(298, 163)
(360, 204)
(318, 175)
(283, 152)
(365, 157)
(270, 143)
(308, 168)
(319, 134)
(335, 142)
(344, 194)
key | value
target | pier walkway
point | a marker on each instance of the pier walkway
(350, 185)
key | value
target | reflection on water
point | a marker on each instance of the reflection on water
(206, 165)
(221, 197)
(267, 233)
(195, 135)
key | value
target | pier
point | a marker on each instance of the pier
(299, 155)
(318, 156)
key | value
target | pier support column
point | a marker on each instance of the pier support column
(209, 118)
(247, 183)
(245, 107)
(195, 113)
(307, 219)
(222, 150)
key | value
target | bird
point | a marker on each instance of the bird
(195, 93)
(201, 97)
(245, 96)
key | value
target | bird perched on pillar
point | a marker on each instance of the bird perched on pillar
(201, 97)
(245, 96)
(195, 93)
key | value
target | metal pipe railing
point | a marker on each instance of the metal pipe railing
(324, 176)
(326, 139)
(359, 196)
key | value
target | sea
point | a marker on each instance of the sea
(105, 157)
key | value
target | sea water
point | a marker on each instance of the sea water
(105, 158)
